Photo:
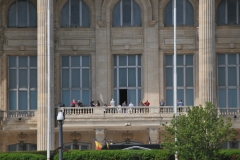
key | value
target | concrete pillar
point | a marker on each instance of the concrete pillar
(43, 76)
(100, 135)
(154, 135)
(207, 77)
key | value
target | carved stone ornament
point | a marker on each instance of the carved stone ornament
(99, 131)
(22, 137)
(75, 136)
(232, 45)
(127, 135)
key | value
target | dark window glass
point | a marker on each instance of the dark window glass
(116, 15)
(75, 13)
(12, 16)
(126, 12)
(65, 15)
(180, 12)
(32, 15)
(136, 14)
(232, 12)
(85, 15)
(189, 13)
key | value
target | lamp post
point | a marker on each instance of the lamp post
(60, 119)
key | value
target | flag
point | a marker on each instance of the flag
(106, 143)
(98, 145)
(149, 140)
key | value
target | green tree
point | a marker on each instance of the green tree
(200, 133)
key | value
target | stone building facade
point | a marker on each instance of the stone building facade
(113, 49)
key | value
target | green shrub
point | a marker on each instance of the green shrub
(21, 156)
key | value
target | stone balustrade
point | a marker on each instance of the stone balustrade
(19, 113)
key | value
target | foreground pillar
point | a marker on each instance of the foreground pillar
(42, 112)
(207, 77)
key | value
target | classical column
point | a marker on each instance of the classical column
(207, 59)
(42, 112)
(154, 135)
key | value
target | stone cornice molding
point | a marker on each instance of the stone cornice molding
(108, 5)
(5, 6)
(58, 8)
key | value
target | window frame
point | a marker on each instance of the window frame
(79, 144)
(18, 147)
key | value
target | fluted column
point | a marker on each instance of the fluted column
(42, 8)
(207, 60)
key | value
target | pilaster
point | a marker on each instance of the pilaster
(42, 8)
(154, 135)
(207, 77)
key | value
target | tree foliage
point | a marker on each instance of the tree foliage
(200, 133)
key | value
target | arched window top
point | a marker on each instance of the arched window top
(185, 13)
(22, 13)
(75, 13)
(228, 12)
(127, 13)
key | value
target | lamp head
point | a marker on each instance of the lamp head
(60, 116)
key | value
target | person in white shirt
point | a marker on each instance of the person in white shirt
(130, 109)
(119, 108)
(130, 104)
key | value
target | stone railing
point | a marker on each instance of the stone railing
(77, 110)
(229, 111)
(19, 113)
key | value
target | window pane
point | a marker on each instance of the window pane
(221, 59)
(85, 61)
(75, 13)
(66, 98)
(168, 14)
(131, 60)
(131, 77)
(180, 76)
(169, 97)
(75, 78)
(189, 77)
(221, 13)
(232, 98)
(23, 61)
(85, 78)
(12, 16)
(12, 61)
(65, 61)
(115, 60)
(33, 78)
(189, 97)
(23, 100)
(12, 100)
(169, 77)
(12, 147)
(33, 61)
(32, 15)
(65, 78)
(75, 95)
(116, 14)
(132, 96)
(122, 60)
(65, 15)
(180, 95)
(116, 97)
(139, 60)
(32, 147)
(221, 98)
(85, 15)
(23, 78)
(139, 77)
(179, 12)
(180, 60)
(169, 60)
(139, 95)
(22, 13)
(122, 77)
(115, 77)
(189, 60)
(86, 97)
(232, 11)
(189, 13)
(232, 76)
(232, 59)
(126, 11)
(221, 76)
(12, 80)
(33, 100)
(136, 14)
(75, 61)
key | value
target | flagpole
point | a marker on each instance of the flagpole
(175, 74)
(48, 84)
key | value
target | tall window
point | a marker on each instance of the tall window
(228, 12)
(23, 147)
(126, 13)
(22, 82)
(75, 13)
(127, 79)
(228, 81)
(185, 13)
(185, 79)
(79, 146)
(76, 79)
(22, 13)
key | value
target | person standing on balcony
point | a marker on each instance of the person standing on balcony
(119, 108)
(161, 103)
(79, 103)
(180, 104)
(73, 103)
(124, 104)
(92, 103)
(141, 103)
(98, 103)
(147, 103)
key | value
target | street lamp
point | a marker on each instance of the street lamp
(60, 119)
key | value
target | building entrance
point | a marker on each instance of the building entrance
(123, 96)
